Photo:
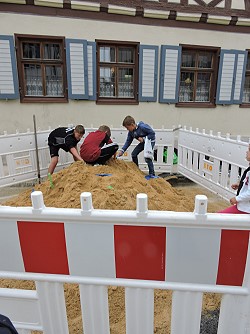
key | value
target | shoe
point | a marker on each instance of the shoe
(50, 181)
(151, 176)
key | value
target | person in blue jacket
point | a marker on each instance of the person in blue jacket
(138, 131)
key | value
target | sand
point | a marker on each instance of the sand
(116, 191)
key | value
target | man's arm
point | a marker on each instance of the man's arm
(75, 154)
(128, 142)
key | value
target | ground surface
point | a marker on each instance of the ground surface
(117, 191)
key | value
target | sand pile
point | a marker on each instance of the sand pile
(115, 191)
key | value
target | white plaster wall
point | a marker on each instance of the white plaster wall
(15, 115)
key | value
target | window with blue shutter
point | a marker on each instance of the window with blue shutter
(148, 70)
(8, 70)
(77, 69)
(92, 70)
(169, 73)
(41, 68)
(231, 76)
(117, 72)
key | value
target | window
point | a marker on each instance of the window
(41, 69)
(198, 76)
(117, 72)
(246, 91)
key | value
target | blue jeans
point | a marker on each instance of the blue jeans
(138, 149)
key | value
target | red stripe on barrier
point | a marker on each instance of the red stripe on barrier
(233, 255)
(140, 252)
(43, 247)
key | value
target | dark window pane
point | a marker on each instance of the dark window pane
(186, 87)
(246, 92)
(52, 51)
(107, 54)
(205, 60)
(126, 55)
(188, 60)
(248, 63)
(33, 80)
(31, 50)
(54, 81)
(107, 82)
(126, 83)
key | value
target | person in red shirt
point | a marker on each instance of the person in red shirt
(98, 147)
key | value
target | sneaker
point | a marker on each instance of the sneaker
(151, 176)
(50, 181)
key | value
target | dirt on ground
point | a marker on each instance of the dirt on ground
(117, 189)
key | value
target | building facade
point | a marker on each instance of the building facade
(184, 62)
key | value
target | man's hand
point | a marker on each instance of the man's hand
(140, 139)
(119, 153)
(235, 186)
(233, 201)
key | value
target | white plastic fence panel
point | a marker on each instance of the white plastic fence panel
(24, 331)
(95, 310)
(52, 307)
(219, 163)
(234, 174)
(18, 162)
(50, 312)
(234, 315)
(186, 312)
(22, 308)
(139, 304)
(216, 171)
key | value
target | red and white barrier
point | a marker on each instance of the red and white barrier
(121, 244)
(142, 250)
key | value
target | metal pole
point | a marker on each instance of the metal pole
(37, 157)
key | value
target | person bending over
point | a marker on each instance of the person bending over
(138, 131)
(65, 139)
(98, 147)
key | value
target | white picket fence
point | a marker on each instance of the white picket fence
(214, 161)
(19, 163)
(187, 234)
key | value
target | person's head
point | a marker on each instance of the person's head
(105, 128)
(79, 132)
(129, 123)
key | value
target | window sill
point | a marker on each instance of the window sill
(44, 100)
(195, 105)
(117, 101)
(244, 105)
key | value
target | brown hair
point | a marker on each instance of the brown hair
(80, 129)
(128, 120)
(105, 128)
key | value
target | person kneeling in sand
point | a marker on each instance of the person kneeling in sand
(98, 147)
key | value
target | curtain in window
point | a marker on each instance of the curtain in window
(33, 80)
(54, 81)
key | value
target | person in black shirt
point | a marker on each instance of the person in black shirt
(66, 139)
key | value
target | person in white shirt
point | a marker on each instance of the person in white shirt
(241, 202)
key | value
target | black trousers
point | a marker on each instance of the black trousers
(107, 152)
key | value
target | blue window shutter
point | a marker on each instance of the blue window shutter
(170, 73)
(240, 71)
(92, 70)
(231, 76)
(148, 69)
(77, 69)
(8, 70)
